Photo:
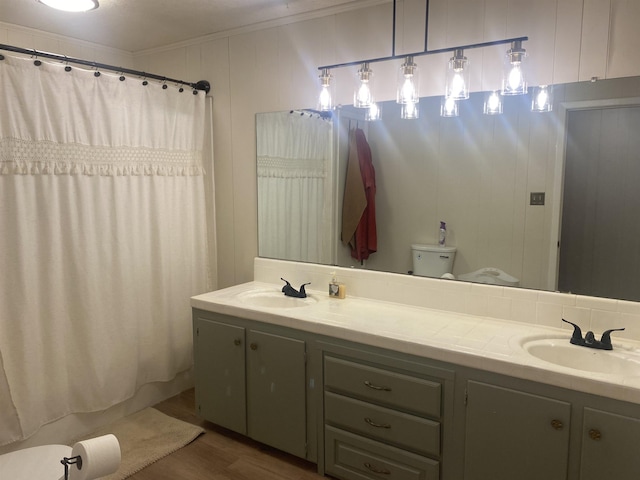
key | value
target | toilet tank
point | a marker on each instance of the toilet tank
(432, 260)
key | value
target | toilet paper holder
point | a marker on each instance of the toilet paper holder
(66, 461)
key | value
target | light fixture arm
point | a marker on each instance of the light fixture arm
(426, 50)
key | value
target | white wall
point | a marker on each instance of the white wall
(275, 68)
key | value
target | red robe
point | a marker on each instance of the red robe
(364, 240)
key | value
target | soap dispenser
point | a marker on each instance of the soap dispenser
(336, 290)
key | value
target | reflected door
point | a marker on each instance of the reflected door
(600, 239)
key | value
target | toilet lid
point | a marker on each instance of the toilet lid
(36, 463)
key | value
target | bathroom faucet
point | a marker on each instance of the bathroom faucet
(289, 291)
(589, 339)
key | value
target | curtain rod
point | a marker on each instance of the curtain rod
(200, 85)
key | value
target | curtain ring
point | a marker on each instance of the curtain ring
(122, 78)
(36, 62)
(67, 68)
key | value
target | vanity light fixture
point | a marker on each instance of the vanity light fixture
(542, 99)
(513, 78)
(457, 86)
(409, 111)
(71, 5)
(449, 107)
(407, 92)
(408, 82)
(362, 96)
(492, 103)
(325, 100)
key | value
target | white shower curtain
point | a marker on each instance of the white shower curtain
(102, 239)
(294, 151)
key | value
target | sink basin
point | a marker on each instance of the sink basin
(274, 299)
(559, 351)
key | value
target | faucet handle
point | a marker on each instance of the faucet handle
(606, 338)
(576, 338)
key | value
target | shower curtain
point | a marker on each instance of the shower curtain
(102, 239)
(294, 151)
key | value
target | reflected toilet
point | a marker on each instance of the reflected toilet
(432, 260)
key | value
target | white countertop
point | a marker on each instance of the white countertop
(472, 341)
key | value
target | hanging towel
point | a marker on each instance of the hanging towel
(366, 239)
(355, 200)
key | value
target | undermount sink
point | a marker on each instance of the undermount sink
(274, 299)
(559, 351)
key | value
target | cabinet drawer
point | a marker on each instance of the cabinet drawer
(352, 457)
(390, 426)
(382, 386)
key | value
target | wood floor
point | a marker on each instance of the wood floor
(219, 454)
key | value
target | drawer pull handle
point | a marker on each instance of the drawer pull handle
(254, 346)
(377, 425)
(376, 387)
(237, 342)
(595, 434)
(375, 469)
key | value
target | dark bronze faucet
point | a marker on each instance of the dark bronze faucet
(589, 339)
(289, 291)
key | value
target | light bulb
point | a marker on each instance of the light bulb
(449, 107)
(492, 104)
(325, 99)
(513, 79)
(408, 81)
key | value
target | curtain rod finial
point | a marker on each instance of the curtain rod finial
(203, 85)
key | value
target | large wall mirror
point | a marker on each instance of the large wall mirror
(549, 199)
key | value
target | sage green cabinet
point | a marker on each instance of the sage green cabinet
(512, 434)
(609, 446)
(251, 381)
(380, 422)
(219, 363)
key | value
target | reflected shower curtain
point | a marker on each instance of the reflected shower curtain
(294, 151)
(102, 239)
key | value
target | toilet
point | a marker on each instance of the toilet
(491, 276)
(35, 463)
(432, 260)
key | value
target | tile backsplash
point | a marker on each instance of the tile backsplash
(505, 303)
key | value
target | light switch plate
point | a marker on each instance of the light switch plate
(536, 198)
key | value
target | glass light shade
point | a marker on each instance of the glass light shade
(71, 5)
(409, 111)
(325, 99)
(457, 86)
(542, 99)
(492, 103)
(448, 107)
(373, 112)
(513, 77)
(408, 82)
(362, 96)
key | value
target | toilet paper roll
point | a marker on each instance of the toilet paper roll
(100, 457)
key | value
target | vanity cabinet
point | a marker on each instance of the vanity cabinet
(609, 446)
(380, 422)
(512, 434)
(251, 380)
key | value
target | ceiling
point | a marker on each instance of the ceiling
(137, 25)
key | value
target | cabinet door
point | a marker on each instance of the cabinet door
(609, 446)
(511, 434)
(276, 409)
(220, 374)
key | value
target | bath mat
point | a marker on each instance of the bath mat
(145, 437)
